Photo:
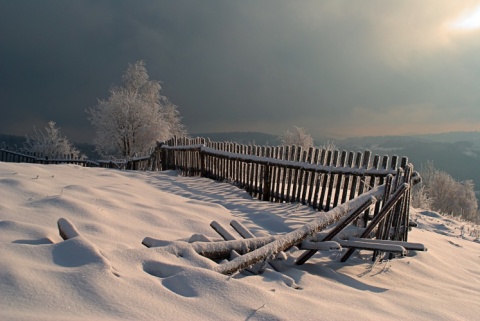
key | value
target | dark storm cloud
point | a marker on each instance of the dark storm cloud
(329, 66)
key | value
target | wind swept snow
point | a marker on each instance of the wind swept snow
(103, 272)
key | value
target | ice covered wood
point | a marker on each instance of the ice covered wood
(226, 235)
(367, 245)
(407, 245)
(320, 246)
(213, 250)
(242, 230)
(288, 240)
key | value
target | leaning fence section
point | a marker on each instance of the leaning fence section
(320, 178)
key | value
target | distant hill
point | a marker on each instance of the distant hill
(12, 141)
(458, 154)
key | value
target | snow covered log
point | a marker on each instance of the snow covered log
(226, 235)
(288, 240)
(389, 204)
(320, 246)
(338, 228)
(215, 250)
(242, 230)
(365, 244)
(407, 245)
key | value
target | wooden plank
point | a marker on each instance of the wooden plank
(407, 245)
(295, 174)
(279, 178)
(288, 191)
(241, 229)
(385, 210)
(306, 176)
(366, 245)
(226, 235)
(351, 156)
(313, 178)
(285, 175)
(284, 242)
(320, 246)
(266, 179)
(318, 183)
(331, 181)
(339, 188)
(326, 178)
(338, 228)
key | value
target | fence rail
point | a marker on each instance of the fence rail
(137, 163)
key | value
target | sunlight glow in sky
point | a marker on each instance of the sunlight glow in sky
(469, 20)
(334, 67)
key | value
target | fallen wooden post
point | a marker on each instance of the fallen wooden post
(380, 216)
(367, 245)
(320, 246)
(242, 230)
(216, 250)
(226, 235)
(337, 229)
(275, 263)
(288, 240)
(407, 245)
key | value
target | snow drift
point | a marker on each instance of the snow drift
(104, 272)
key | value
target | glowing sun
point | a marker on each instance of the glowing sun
(468, 21)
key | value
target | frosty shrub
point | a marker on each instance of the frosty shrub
(50, 144)
(442, 193)
(329, 146)
(420, 198)
(298, 137)
(135, 116)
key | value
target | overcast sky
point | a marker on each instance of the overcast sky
(336, 68)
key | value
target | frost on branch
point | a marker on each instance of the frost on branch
(135, 116)
(50, 144)
(298, 137)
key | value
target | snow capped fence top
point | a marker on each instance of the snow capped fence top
(324, 179)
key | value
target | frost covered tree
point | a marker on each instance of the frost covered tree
(441, 192)
(50, 144)
(135, 116)
(173, 119)
(297, 136)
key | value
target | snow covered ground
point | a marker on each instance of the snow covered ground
(107, 274)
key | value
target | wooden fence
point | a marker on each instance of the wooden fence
(320, 178)
(136, 163)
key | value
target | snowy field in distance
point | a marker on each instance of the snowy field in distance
(107, 274)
